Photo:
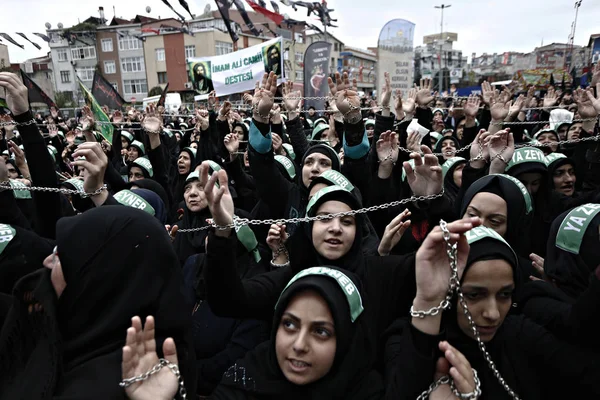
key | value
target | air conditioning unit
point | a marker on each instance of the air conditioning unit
(188, 85)
(28, 68)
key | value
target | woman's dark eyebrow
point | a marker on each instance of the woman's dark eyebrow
(292, 316)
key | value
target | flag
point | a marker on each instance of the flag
(277, 18)
(5, 36)
(46, 38)
(262, 3)
(223, 6)
(151, 30)
(181, 17)
(105, 93)
(35, 93)
(25, 37)
(240, 6)
(286, 2)
(562, 83)
(185, 5)
(275, 6)
(163, 96)
(104, 125)
(551, 79)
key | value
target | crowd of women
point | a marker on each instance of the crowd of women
(427, 248)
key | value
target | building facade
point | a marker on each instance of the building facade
(438, 52)
(361, 65)
(40, 71)
(4, 58)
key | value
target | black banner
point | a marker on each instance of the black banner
(163, 96)
(35, 93)
(246, 18)
(181, 17)
(105, 94)
(223, 6)
(37, 46)
(46, 38)
(185, 5)
(316, 71)
(7, 37)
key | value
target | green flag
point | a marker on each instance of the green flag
(106, 128)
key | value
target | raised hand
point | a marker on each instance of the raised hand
(16, 93)
(224, 111)
(263, 98)
(277, 144)
(487, 92)
(19, 154)
(424, 95)
(529, 99)
(219, 199)
(455, 365)
(479, 152)
(346, 97)
(393, 233)
(232, 144)
(595, 76)
(413, 142)
(152, 122)
(588, 106)
(516, 107)
(139, 356)
(212, 100)
(386, 94)
(291, 98)
(117, 117)
(426, 178)
(499, 109)
(471, 108)
(52, 130)
(551, 98)
(203, 120)
(87, 120)
(276, 114)
(387, 148)
(501, 147)
(94, 164)
(277, 237)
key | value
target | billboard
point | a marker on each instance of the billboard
(316, 70)
(395, 55)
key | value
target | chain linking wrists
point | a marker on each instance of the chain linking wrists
(174, 368)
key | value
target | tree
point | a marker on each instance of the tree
(155, 91)
(63, 99)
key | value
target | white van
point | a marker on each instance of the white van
(172, 102)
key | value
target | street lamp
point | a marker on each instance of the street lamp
(442, 7)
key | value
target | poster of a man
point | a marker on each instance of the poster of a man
(201, 77)
(272, 59)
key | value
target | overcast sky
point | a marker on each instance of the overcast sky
(482, 26)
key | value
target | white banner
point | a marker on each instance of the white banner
(395, 55)
(238, 71)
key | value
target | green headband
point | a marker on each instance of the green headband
(247, 238)
(348, 287)
(321, 193)
(289, 149)
(138, 145)
(127, 135)
(573, 227)
(550, 158)
(76, 183)
(449, 164)
(524, 192)
(7, 233)
(145, 164)
(287, 164)
(338, 179)
(191, 150)
(318, 130)
(19, 189)
(482, 232)
(130, 199)
(526, 155)
(193, 175)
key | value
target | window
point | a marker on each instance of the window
(223, 48)
(162, 77)
(62, 55)
(160, 54)
(85, 73)
(65, 76)
(190, 51)
(135, 86)
(298, 37)
(132, 64)
(110, 67)
(335, 47)
(299, 56)
(107, 45)
(129, 43)
(80, 53)
(299, 76)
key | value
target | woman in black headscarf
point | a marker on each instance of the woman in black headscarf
(186, 163)
(525, 354)
(63, 335)
(452, 174)
(320, 346)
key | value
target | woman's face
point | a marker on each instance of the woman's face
(333, 238)
(12, 171)
(457, 174)
(306, 342)
(488, 287)
(239, 132)
(194, 196)
(574, 131)
(178, 136)
(124, 143)
(194, 145)
(370, 131)
(314, 165)
(183, 163)
(460, 129)
(448, 149)
(548, 137)
(491, 208)
(135, 174)
(531, 180)
(564, 179)
(132, 154)
(52, 262)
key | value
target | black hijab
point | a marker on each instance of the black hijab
(154, 186)
(258, 376)
(117, 262)
(571, 269)
(451, 189)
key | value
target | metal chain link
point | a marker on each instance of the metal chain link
(6, 186)
(446, 380)
(154, 370)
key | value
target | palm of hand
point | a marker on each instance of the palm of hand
(387, 148)
(432, 272)
(233, 144)
(263, 101)
(471, 110)
(424, 96)
(151, 123)
(498, 111)
(408, 106)
(342, 105)
(426, 182)
(87, 123)
(292, 101)
(158, 386)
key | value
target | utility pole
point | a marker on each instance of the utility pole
(569, 54)
(442, 7)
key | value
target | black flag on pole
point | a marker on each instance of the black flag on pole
(35, 93)
(185, 5)
(181, 17)
(105, 93)
(262, 3)
(223, 6)
(163, 96)
(275, 7)
(5, 36)
(25, 37)
(246, 18)
(44, 37)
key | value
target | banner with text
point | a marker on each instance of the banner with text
(395, 55)
(316, 70)
(238, 71)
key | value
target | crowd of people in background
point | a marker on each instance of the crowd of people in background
(412, 247)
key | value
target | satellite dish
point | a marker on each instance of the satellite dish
(207, 9)
(60, 25)
(47, 25)
(148, 9)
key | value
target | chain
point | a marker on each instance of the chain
(161, 363)
(446, 380)
(245, 221)
(6, 186)
(389, 156)
(500, 123)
